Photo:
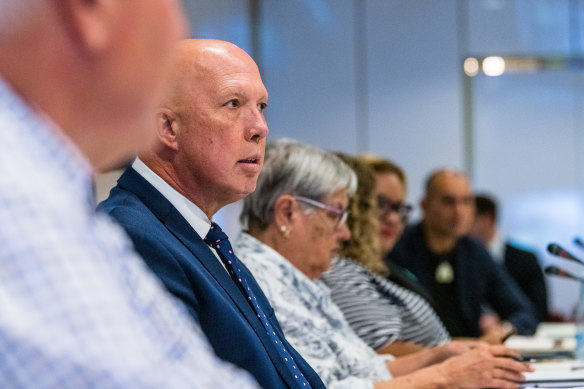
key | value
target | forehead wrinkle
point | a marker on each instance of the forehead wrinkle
(238, 85)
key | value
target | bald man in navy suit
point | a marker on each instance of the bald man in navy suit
(211, 134)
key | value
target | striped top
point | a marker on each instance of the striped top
(380, 311)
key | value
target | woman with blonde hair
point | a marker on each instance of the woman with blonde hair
(383, 311)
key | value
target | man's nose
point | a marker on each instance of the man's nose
(258, 128)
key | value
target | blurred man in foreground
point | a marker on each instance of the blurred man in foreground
(79, 81)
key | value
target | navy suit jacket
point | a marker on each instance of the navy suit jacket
(190, 270)
(525, 269)
(478, 278)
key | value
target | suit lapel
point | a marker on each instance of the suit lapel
(182, 230)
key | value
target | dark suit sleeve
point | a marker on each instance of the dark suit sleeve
(524, 267)
(508, 300)
(160, 260)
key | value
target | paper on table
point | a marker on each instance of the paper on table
(529, 343)
(573, 385)
(548, 372)
(555, 330)
(579, 384)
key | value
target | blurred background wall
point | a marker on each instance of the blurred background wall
(388, 76)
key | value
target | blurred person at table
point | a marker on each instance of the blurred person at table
(390, 318)
(522, 265)
(295, 225)
(456, 269)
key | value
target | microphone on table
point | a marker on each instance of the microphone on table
(579, 242)
(558, 251)
(556, 271)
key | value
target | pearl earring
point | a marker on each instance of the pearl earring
(285, 232)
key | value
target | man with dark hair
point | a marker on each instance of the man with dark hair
(522, 265)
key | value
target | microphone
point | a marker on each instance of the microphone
(579, 242)
(556, 271)
(558, 251)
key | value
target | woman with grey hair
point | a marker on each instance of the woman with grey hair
(295, 224)
(301, 177)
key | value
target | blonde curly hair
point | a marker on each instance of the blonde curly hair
(363, 246)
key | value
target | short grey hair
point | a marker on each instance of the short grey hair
(299, 169)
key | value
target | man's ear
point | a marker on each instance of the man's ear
(167, 128)
(91, 23)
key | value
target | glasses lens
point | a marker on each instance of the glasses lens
(383, 205)
(386, 206)
(338, 215)
(404, 212)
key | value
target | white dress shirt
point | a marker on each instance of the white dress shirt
(189, 210)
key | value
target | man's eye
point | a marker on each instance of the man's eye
(262, 106)
(233, 103)
(467, 201)
(448, 201)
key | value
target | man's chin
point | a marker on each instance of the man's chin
(240, 195)
(249, 188)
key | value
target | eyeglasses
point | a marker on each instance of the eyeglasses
(385, 206)
(339, 215)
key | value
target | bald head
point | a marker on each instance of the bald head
(198, 60)
(438, 177)
(448, 204)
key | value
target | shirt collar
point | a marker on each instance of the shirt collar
(497, 247)
(193, 214)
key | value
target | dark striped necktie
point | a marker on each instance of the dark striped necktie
(217, 239)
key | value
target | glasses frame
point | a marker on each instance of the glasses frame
(341, 216)
(403, 210)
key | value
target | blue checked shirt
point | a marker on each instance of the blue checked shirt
(78, 308)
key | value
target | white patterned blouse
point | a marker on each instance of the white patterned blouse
(312, 323)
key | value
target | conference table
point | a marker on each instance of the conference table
(551, 353)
